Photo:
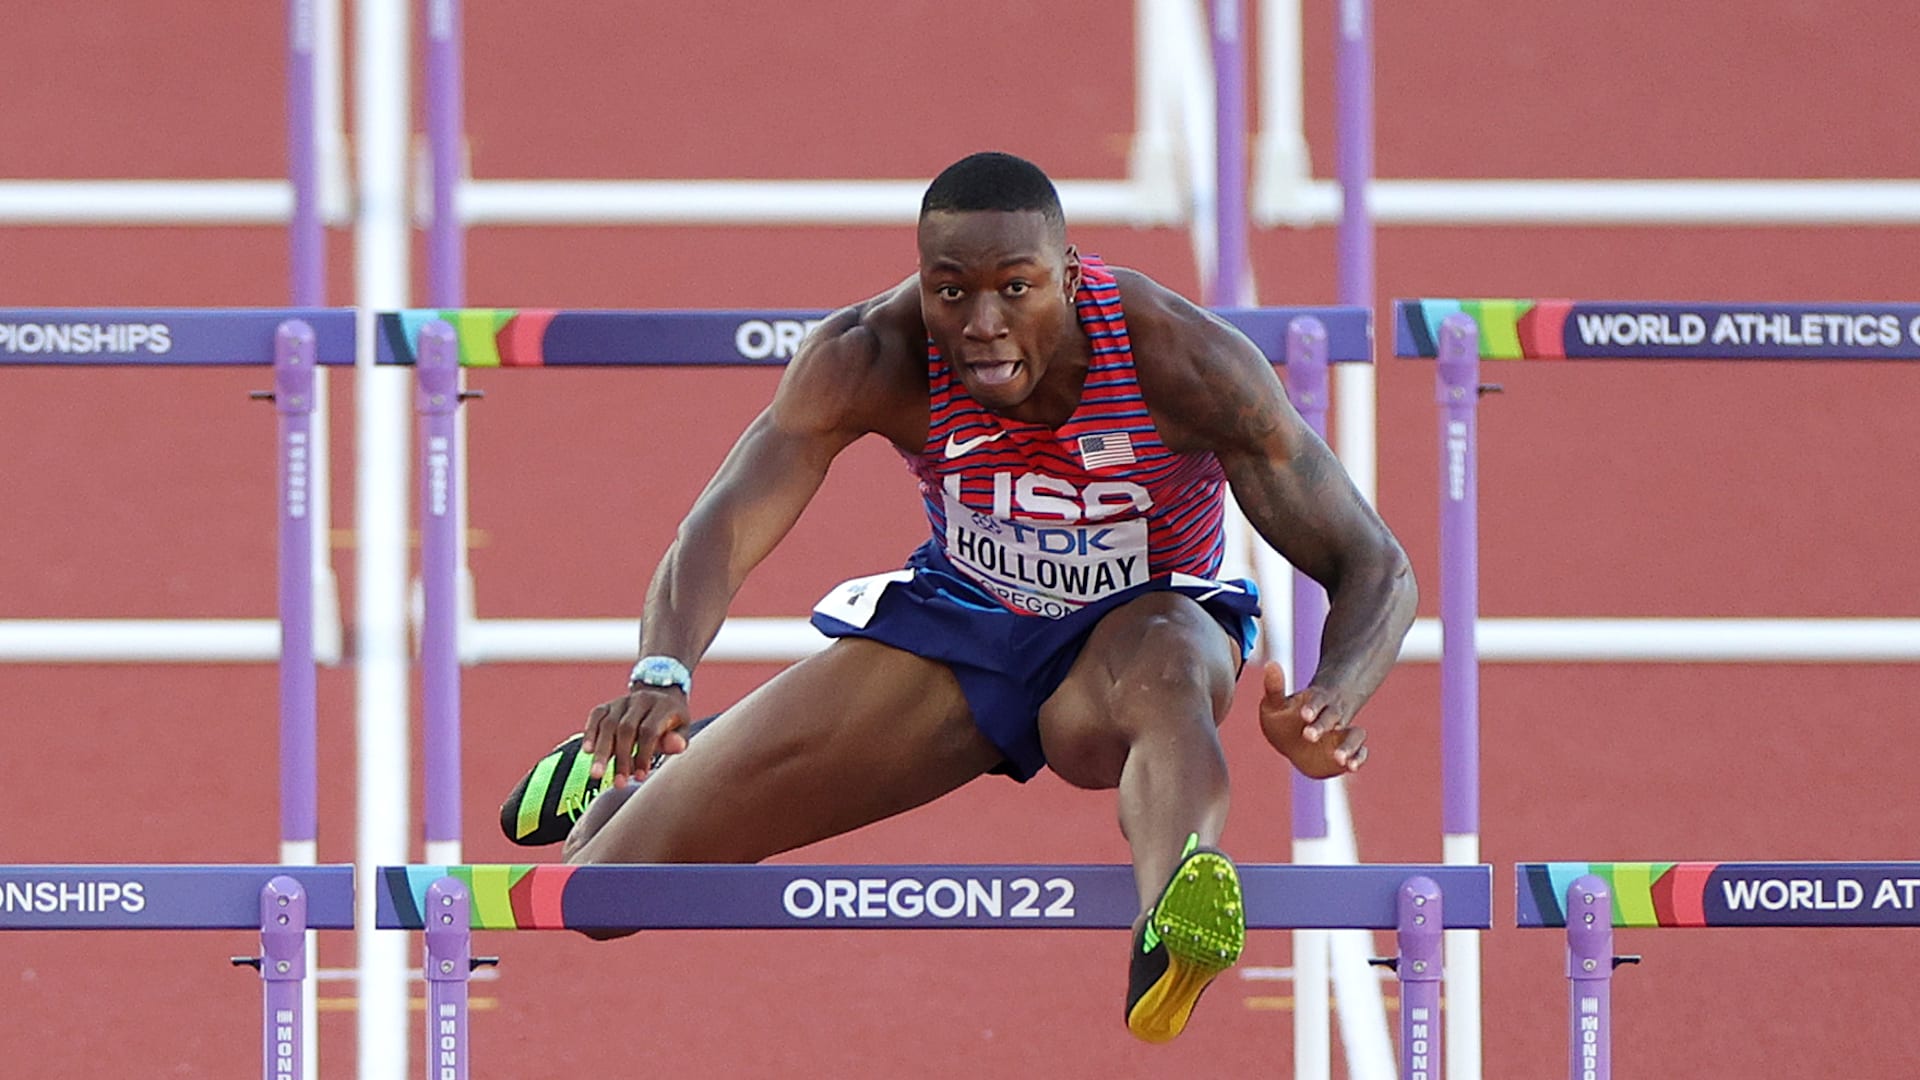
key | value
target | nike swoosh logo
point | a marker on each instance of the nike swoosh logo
(957, 447)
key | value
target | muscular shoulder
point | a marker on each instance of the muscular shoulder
(1206, 385)
(862, 369)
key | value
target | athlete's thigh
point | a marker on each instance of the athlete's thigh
(850, 735)
(1155, 664)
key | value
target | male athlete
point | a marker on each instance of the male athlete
(1072, 428)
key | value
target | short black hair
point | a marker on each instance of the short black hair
(991, 180)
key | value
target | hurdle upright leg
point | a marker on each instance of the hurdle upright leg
(286, 1033)
(1312, 949)
(449, 962)
(1457, 390)
(295, 376)
(1590, 979)
(437, 399)
(1422, 918)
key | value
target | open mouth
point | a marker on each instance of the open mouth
(995, 373)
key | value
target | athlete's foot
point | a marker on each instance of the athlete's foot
(1193, 932)
(544, 807)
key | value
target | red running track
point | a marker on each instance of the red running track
(1606, 490)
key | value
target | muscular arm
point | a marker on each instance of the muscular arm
(767, 479)
(1306, 507)
(838, 388)
(1210, 389)
(851, 376)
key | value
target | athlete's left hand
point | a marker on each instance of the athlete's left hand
(1311, 728)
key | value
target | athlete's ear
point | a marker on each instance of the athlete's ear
(1073, 272)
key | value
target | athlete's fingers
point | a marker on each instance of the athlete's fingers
(662, 724)
(595, 736)
(612, 753)
(626, 738)
(1321, 716)
(1353, 748)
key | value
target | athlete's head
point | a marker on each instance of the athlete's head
(997, 276)
(991, 180)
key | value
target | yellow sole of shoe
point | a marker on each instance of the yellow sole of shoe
(1201, 922)
(1161, 1013)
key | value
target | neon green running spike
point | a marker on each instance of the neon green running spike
(546, 803)
(1196, 931)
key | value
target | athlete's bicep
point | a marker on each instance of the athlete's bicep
(1218, 393)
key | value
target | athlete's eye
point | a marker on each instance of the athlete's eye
(1018, 288)
(947, 292)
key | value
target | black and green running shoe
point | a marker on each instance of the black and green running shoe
(552, 796)
(1195, 931)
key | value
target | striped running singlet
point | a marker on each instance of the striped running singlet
(1050, 519)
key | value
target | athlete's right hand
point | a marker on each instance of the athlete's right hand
(624, 734)
(1312, 728)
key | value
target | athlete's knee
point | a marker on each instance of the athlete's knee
(1158, 668)
(1169, 661)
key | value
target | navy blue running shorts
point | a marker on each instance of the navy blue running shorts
(1008, 665)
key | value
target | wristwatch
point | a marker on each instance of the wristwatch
(661, 671)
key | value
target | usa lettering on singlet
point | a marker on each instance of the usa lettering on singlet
(1050, 519)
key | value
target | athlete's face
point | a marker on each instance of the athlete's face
(996, 291)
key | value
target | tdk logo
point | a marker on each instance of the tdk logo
(761, 339)
(84, 339)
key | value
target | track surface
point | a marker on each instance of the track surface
(1660, 490)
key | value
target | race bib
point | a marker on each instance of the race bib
(1049, 568)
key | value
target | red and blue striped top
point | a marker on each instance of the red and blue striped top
(1048, 519)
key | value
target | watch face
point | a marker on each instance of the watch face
(661, 671)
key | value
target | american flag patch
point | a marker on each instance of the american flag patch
(1106, 449)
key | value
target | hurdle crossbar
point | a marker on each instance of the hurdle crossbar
(450, 902)
(906, 896)
(543, 337)
(284, 903)
(1590, 899)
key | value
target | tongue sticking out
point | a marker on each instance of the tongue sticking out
(996, 374)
